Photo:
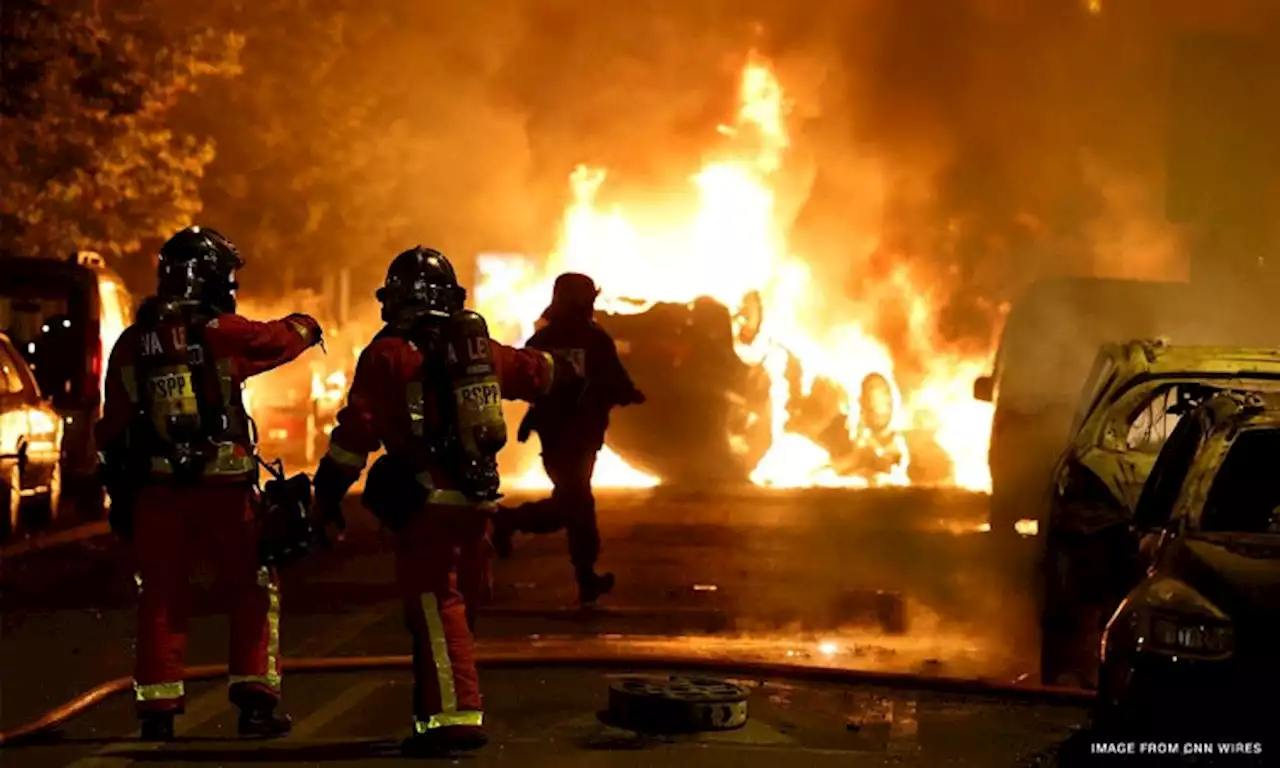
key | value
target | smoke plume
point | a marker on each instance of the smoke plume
(969, 145)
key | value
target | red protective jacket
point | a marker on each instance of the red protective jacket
(239, 348)
(387, 407)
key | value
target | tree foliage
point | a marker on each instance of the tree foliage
(88, 157)
(362, 127)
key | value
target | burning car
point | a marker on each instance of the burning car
(705, 398)
(708, 401)
(1198, 631)
(1132, 401)
(294, 411)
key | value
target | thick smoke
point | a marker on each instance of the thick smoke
(959, 148)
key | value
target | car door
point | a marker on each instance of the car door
(1169, 473)
(13, 415)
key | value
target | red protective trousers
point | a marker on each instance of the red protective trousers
(443, 559)
(172, 525)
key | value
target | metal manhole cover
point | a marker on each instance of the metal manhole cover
(677, 704)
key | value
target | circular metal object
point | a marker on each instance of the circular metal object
(677, 704)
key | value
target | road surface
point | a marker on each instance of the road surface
(896, 581)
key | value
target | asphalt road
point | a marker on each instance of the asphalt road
(896, 581)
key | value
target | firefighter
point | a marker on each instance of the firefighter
(428, 389)
(572, 433)
(178, 460)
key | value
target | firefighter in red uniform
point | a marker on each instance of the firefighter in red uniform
(178, 461)
(429, 389)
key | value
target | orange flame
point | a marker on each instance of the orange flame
(729, 245)
(113, 320)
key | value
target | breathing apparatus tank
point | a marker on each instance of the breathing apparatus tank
(476, 402)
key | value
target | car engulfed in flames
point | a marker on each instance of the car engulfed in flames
(754, 370)
(701, 396)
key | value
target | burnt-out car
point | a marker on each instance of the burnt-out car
(1132, 400)
(1194, 641)
(707, 419)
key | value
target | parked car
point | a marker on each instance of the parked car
(1193, 642)
(64, 318)
(1131, 402)
(30, 446)
(1051, 336)
(294, 409)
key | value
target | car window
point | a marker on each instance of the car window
(1151, 426)
(1245, 495)
(10, 377)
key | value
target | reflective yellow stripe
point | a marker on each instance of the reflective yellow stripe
(416, 401)
(270, 681)
(551, 372)
(347, 458)
(465, 717)
(158, 691)
(301, 330)
(440, 654)
(129, 377)
(266, 580)
(222, 465)
(448, 498)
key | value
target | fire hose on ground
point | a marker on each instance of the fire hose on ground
(568, 655)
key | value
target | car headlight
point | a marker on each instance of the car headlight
(1171, 618)
(1188, 635)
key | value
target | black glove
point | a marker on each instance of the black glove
(331, 485)
(120, 515)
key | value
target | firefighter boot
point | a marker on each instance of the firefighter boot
(592, 586)
(156, 726)
(444, 741)
(263, 721)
